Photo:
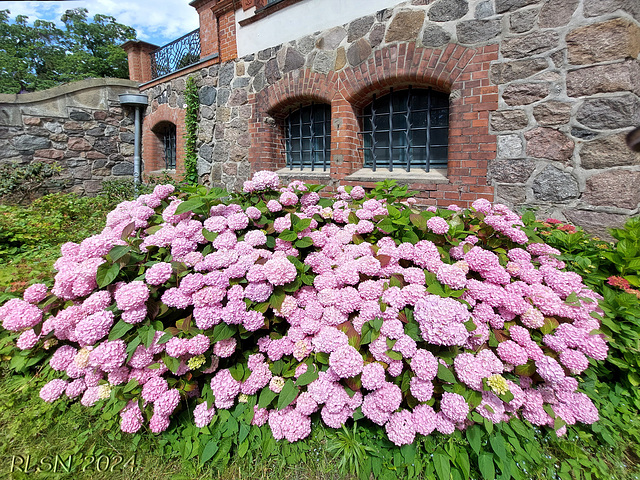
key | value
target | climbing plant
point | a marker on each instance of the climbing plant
(191, 135)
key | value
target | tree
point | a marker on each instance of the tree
(39, 56)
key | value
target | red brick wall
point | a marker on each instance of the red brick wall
(227, 36)
(458, 70)
(152, 148)
(139, 60)
(208, 29)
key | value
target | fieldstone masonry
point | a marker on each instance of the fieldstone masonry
(566, 72)
(80, 126)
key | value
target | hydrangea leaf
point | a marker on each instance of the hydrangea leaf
(442, 464)
(307, 377)
(266, 397)
(287, 395)
(445, 374)
(119, 330)
(486, 466)
(107, 274)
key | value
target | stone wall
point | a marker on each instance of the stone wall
(79, 126)
(554, 89)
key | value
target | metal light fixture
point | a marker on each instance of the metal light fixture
(139, 102)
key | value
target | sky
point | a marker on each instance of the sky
(156, 21)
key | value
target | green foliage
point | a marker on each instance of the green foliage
(191, 135)
(613, 270)
(40, 56)
(20, 183)
(607, 449)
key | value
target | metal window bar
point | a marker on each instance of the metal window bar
(308, 142)
(415, 138)
(169, 140)
(407, 132)
(178, 54)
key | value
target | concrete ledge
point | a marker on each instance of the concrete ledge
(66, 89)
(305, 174)
(400, 176)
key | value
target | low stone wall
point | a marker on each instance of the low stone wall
(79, 126)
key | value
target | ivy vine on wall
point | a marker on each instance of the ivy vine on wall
(191, 135)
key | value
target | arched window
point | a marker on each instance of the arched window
(167, 133)
(308, 137)
(406, 129)
(164, 148)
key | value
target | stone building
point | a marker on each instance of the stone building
(525, 102)
(80, 127)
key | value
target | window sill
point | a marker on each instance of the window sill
(400, 176)
(304, 174)
(168, 171)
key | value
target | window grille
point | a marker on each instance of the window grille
(308, 137)
(169, 142)
(406, 129)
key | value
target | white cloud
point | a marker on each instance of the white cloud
(156, 21)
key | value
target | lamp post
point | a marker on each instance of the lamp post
(139, 102)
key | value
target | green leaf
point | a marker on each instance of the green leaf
(119, 330)
(222, 331)
(107, 274)
(277, 297)
(190, 205)
(474, 436)
(486, 466)
(304, 242)
(148, 336)
(288, 236)
(445, 374)
(287, 395)
(419, 221)
(209, 451)
(210, 236)
(462, 459)
(301, 224)
(409, 453)
(307, 377)
(526, 370)
(133, 383)
(266, 397)
(498, 446)
(436, 289)
(394, 355)
(119, 251)
(237, 372)
(550, 324)
(442, 464)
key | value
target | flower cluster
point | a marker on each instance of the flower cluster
(338, 315)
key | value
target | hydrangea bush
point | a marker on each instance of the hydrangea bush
(302, 306)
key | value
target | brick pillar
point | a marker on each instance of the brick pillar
(139, 60)
(227, 33)
(208, 27)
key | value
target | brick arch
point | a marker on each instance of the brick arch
(402, 65)
(460, 71)
(294, 88)
(152, 148)
(271, 107)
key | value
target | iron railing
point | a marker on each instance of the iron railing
(178, 54)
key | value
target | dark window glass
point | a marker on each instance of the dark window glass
(406, 129)
(308, 137)
(168, 135)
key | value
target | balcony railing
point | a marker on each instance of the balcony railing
(178, 54)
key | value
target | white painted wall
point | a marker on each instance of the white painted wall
(300, 19)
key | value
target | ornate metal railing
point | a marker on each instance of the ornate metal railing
(176, 55)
